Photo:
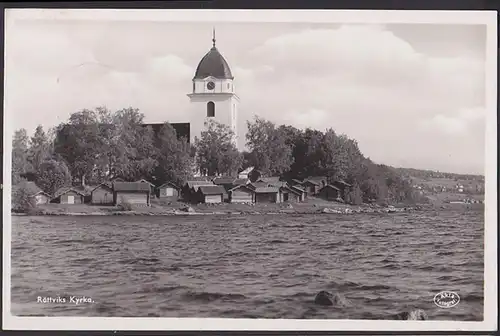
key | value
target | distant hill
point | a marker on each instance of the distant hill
(431, 174)
(441, 187)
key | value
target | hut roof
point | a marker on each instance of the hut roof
(167, 184)
(258, 185)
(293, 190)
(223, 180)
(199, 178)
(330, 187)
(86, 189)
(340, 182)
(297, 187)
(193, 184)
(131, 186)
(211, 190)
(145, 181)
(246, 170)
(263, 190)
(65, 190)
(241, 186)
(269, 179)
(103, 185)
(317, 178)
(278, 184)
(238, 182)
(313, 182)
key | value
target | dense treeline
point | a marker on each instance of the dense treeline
(97, 145)
(293, 153)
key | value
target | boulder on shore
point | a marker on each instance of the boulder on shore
(187, 209)
(414, 315)
(328, 210)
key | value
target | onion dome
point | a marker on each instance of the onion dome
(213, 64)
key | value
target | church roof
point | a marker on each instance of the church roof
(213, 64)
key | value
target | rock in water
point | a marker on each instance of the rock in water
(418, 315)
(324, 298)
(414, 315)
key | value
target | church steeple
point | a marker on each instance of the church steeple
(213, 64)
(213, 96)
(213, 37)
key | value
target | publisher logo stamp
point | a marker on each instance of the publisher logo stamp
(446, 299)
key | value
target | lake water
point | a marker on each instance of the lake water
(267, 266)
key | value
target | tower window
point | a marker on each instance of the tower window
(228, 85)
(194, 86)
(210, 109)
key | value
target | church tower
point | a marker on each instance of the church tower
(213, 96)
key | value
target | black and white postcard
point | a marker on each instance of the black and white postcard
(250, 170)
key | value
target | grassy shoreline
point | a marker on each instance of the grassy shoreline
(162, 208)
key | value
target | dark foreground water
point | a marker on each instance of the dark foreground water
(248, 267)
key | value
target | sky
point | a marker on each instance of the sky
(412, 95)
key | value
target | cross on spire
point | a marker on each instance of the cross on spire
(213, 37)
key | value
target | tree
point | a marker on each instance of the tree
(21, 198)
(354, 195)
(20, 163)
(309, 154)
(53, 175)
(248, 160)
(291, 134)
(40, 148)
(216, 152)
(107, 140)
(270, 147)
(99, 145)
(134, 154)
(174, 160)
(335, 160)
(78, 143)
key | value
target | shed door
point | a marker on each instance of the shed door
(71, 199)
(170, 191)
(213, 198)
(136, 198)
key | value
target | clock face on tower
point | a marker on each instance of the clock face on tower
(210, 85)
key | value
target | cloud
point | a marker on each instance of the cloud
(42, 51)
(458, 124)
(359, 50)
(367, 56)
(170, 67)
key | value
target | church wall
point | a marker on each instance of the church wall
(224, 112)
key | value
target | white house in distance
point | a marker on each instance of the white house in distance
(245, 173)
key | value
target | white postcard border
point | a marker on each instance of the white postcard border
(366, 17)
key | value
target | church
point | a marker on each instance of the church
(212, 97)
